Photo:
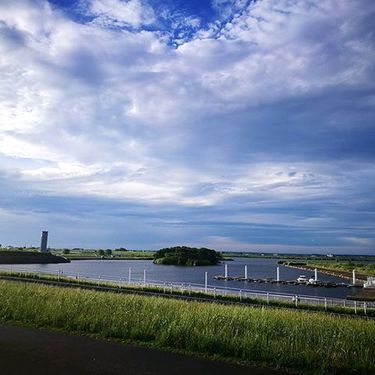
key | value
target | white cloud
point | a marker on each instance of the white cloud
(133, 13)
(93, 109)
(359, 241)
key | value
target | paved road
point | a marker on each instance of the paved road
(35, 351)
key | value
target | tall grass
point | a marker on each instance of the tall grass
(306, 341)
(231, 298)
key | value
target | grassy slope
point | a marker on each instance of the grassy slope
(361, 268)
(359, 311)
(306, 341)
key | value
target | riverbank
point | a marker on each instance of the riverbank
(108, 254)
(29, 257)
(338, 273)
(302, 257)
(360, 295)
(108, 258)
(296, 340)
(365, 294)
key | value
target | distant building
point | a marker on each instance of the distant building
(43, 242)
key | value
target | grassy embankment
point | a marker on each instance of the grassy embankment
(309, 342)
(339, 268)
(178, 292)
(367, 269)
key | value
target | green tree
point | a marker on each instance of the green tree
(187, 256)
(121, 249)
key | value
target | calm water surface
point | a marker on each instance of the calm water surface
(257, 268)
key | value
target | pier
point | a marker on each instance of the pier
(284, 282)
(314, 282)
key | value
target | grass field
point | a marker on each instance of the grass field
(309, 342)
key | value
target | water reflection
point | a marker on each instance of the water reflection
(256, 268)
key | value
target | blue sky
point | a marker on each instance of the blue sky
(231, 124)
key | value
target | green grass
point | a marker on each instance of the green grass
(92, 254)
(307, 341)
(367, 269)
(370, 312)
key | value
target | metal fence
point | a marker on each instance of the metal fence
(187, 288)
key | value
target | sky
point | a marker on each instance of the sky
(232, 124)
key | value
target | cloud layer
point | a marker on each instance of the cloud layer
(250, 130)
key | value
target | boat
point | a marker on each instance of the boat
(302, 279)
(370, 283)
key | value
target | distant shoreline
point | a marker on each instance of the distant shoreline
(23, 257)
(109, 258)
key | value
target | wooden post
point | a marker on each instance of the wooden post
(354, 280)
(325, 303)
(144, 277)
(130, 275)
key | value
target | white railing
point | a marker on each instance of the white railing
(141, 281)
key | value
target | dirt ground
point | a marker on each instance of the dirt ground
(38, 351)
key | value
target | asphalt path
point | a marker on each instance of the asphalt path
(28, 351)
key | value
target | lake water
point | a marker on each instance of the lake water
(257, 268)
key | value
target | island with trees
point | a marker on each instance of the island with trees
(187, 256)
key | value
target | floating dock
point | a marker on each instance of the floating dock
(302, 280)
(283, 282)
